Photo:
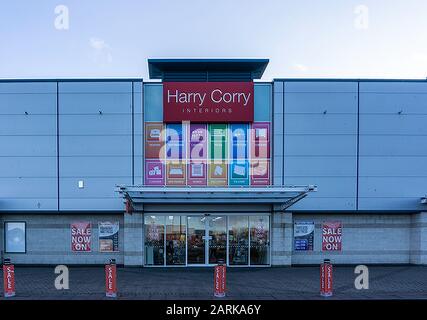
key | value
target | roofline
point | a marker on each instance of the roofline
(177, 60)
(72, 80)
(345, 80)
(259, 81)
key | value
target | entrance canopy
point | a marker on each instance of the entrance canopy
(284, 196)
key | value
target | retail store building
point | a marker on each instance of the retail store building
(206, 162)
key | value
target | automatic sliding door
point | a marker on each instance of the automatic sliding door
(238, 240)
(154, 240)
(196, 248)
(260, 240)
(217, 239)
(175, 240)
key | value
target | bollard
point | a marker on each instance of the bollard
(326, 278)
(110, 279)
(8, 279)
(219, 279)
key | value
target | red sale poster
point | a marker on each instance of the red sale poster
(81, 236)
(332, 236)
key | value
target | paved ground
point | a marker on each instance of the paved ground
(386, 282)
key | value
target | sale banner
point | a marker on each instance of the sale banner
(332, 236)
(108, 236)
(9, 280)
(220, 272)
(239, 166)
(175, 148)
(111, 280)
(303, 236)
(154, 173)
(218, 155)
(197, 163)
(154, 140)
(175, 173)
(81, 236)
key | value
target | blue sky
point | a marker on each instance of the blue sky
(302, 38)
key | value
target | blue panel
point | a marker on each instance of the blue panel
(331, 87)
(28, 87)
(103, 166)
(96, 125)
(153, 102)
(28, 152)
(320, 145)
(93, 87)
(40, 167)
(28, 146)
(317, 166)
(393, 124)
(393, 187)
(95, 188)
(90, 103)
(262, 102)
(318, 103)
(393, 156)
(278, 86)
(331, 124)
(406, 166)
(138, 133)
(328, 187)
(27, 125)
(321, 148)
(393, 145)
(32, 103)
(96, 145)
(28, 188)
(379, 87)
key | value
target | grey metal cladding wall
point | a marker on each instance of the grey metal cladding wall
(393, 148)
(138, 129)
(320, 142)
(95, 143)
(278, 178)
(28, 171)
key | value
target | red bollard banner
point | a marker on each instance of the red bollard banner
(219, 280)
(110, 280)
(326, 278)
(9, 280)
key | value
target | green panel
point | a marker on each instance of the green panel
(218, 141)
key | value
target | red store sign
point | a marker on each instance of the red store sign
(208, 101)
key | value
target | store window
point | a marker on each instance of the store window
(175, 240)
(260, 240)
(154, 240)
(15, 237)
(238, 240)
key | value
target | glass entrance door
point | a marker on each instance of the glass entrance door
(196, 245)
(216, 227)
(207, 239)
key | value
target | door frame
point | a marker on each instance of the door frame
(207, 239)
